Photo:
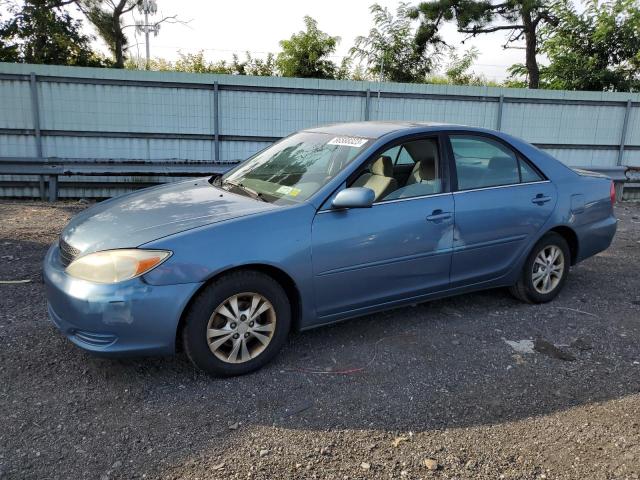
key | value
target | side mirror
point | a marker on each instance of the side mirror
(355, 197)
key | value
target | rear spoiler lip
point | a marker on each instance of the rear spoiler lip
(617, 174)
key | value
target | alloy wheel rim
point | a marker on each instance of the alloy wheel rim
(241, 327)
(548, 268)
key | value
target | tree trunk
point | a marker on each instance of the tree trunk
(118, 35)
(119, 53)
(531, 48)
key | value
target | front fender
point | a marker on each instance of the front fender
(280, 238)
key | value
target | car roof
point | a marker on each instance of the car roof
(376, 129)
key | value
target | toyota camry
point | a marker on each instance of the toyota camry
(327, 224)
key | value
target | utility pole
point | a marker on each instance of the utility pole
(146, 38)
(148, 7)
(380, 79)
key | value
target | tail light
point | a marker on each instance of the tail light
(613, 194)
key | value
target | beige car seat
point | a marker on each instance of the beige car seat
(426, 155)
(379, 178)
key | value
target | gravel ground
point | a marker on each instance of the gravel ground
(431, 391)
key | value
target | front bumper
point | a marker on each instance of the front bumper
(123, 319)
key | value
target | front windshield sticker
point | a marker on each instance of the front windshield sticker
(284, 190)
(355, 142)
(289, 191)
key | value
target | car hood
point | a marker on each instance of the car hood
(140, 217)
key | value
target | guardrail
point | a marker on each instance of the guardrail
(52, 169)
(618, 174)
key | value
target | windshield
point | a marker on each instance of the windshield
(293, 169)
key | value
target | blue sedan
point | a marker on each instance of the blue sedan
(327, 224)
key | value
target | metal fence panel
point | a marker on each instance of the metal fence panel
(125, 115)
(585, 157)
(633, 127)
(477, 114)
(232, 150)
(111, 108)
(127, 148)
(631, 158)
(15, 104)
(575, 124)
(17, 146)
(266, 114)
(340, 109)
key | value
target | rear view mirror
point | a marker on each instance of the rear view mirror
(355, 197)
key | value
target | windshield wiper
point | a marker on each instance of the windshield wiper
(252, 193)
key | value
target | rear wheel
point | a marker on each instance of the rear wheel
(545, 270)
(237, 324)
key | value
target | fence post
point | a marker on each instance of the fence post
(500, 107)
(216, 122)
(35, 116)
(53, 188)
(367, 103)
(623, 135)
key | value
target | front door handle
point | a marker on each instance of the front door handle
(540, 199)
(438, 215)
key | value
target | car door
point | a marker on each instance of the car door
(501, 203)
(398, 248)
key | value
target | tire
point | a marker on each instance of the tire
(215, 336)
(531, 290)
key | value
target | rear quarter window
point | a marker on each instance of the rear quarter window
(527, 172)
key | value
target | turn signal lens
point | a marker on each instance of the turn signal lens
(113, 266)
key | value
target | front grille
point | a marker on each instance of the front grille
(67, 253)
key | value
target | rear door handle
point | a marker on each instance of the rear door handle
(438, 215)
(540, 199)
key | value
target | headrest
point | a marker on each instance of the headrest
(382, 166)
(427, 168)
(429, 151)
(502, 163)
(425, 153)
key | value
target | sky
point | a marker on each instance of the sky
(220, 28)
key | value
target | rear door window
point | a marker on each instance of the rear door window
(482, 162)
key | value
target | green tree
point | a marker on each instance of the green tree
(598, 49)
(197, 63)
(306, 53)
(107, 17)
(390, 52)
(344, 70)
(459, 69)
(254, 66)
(523, 19)
(41, 31)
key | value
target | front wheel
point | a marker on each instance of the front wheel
(545, 271)
(237, 324)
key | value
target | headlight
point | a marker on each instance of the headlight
(112, 266)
